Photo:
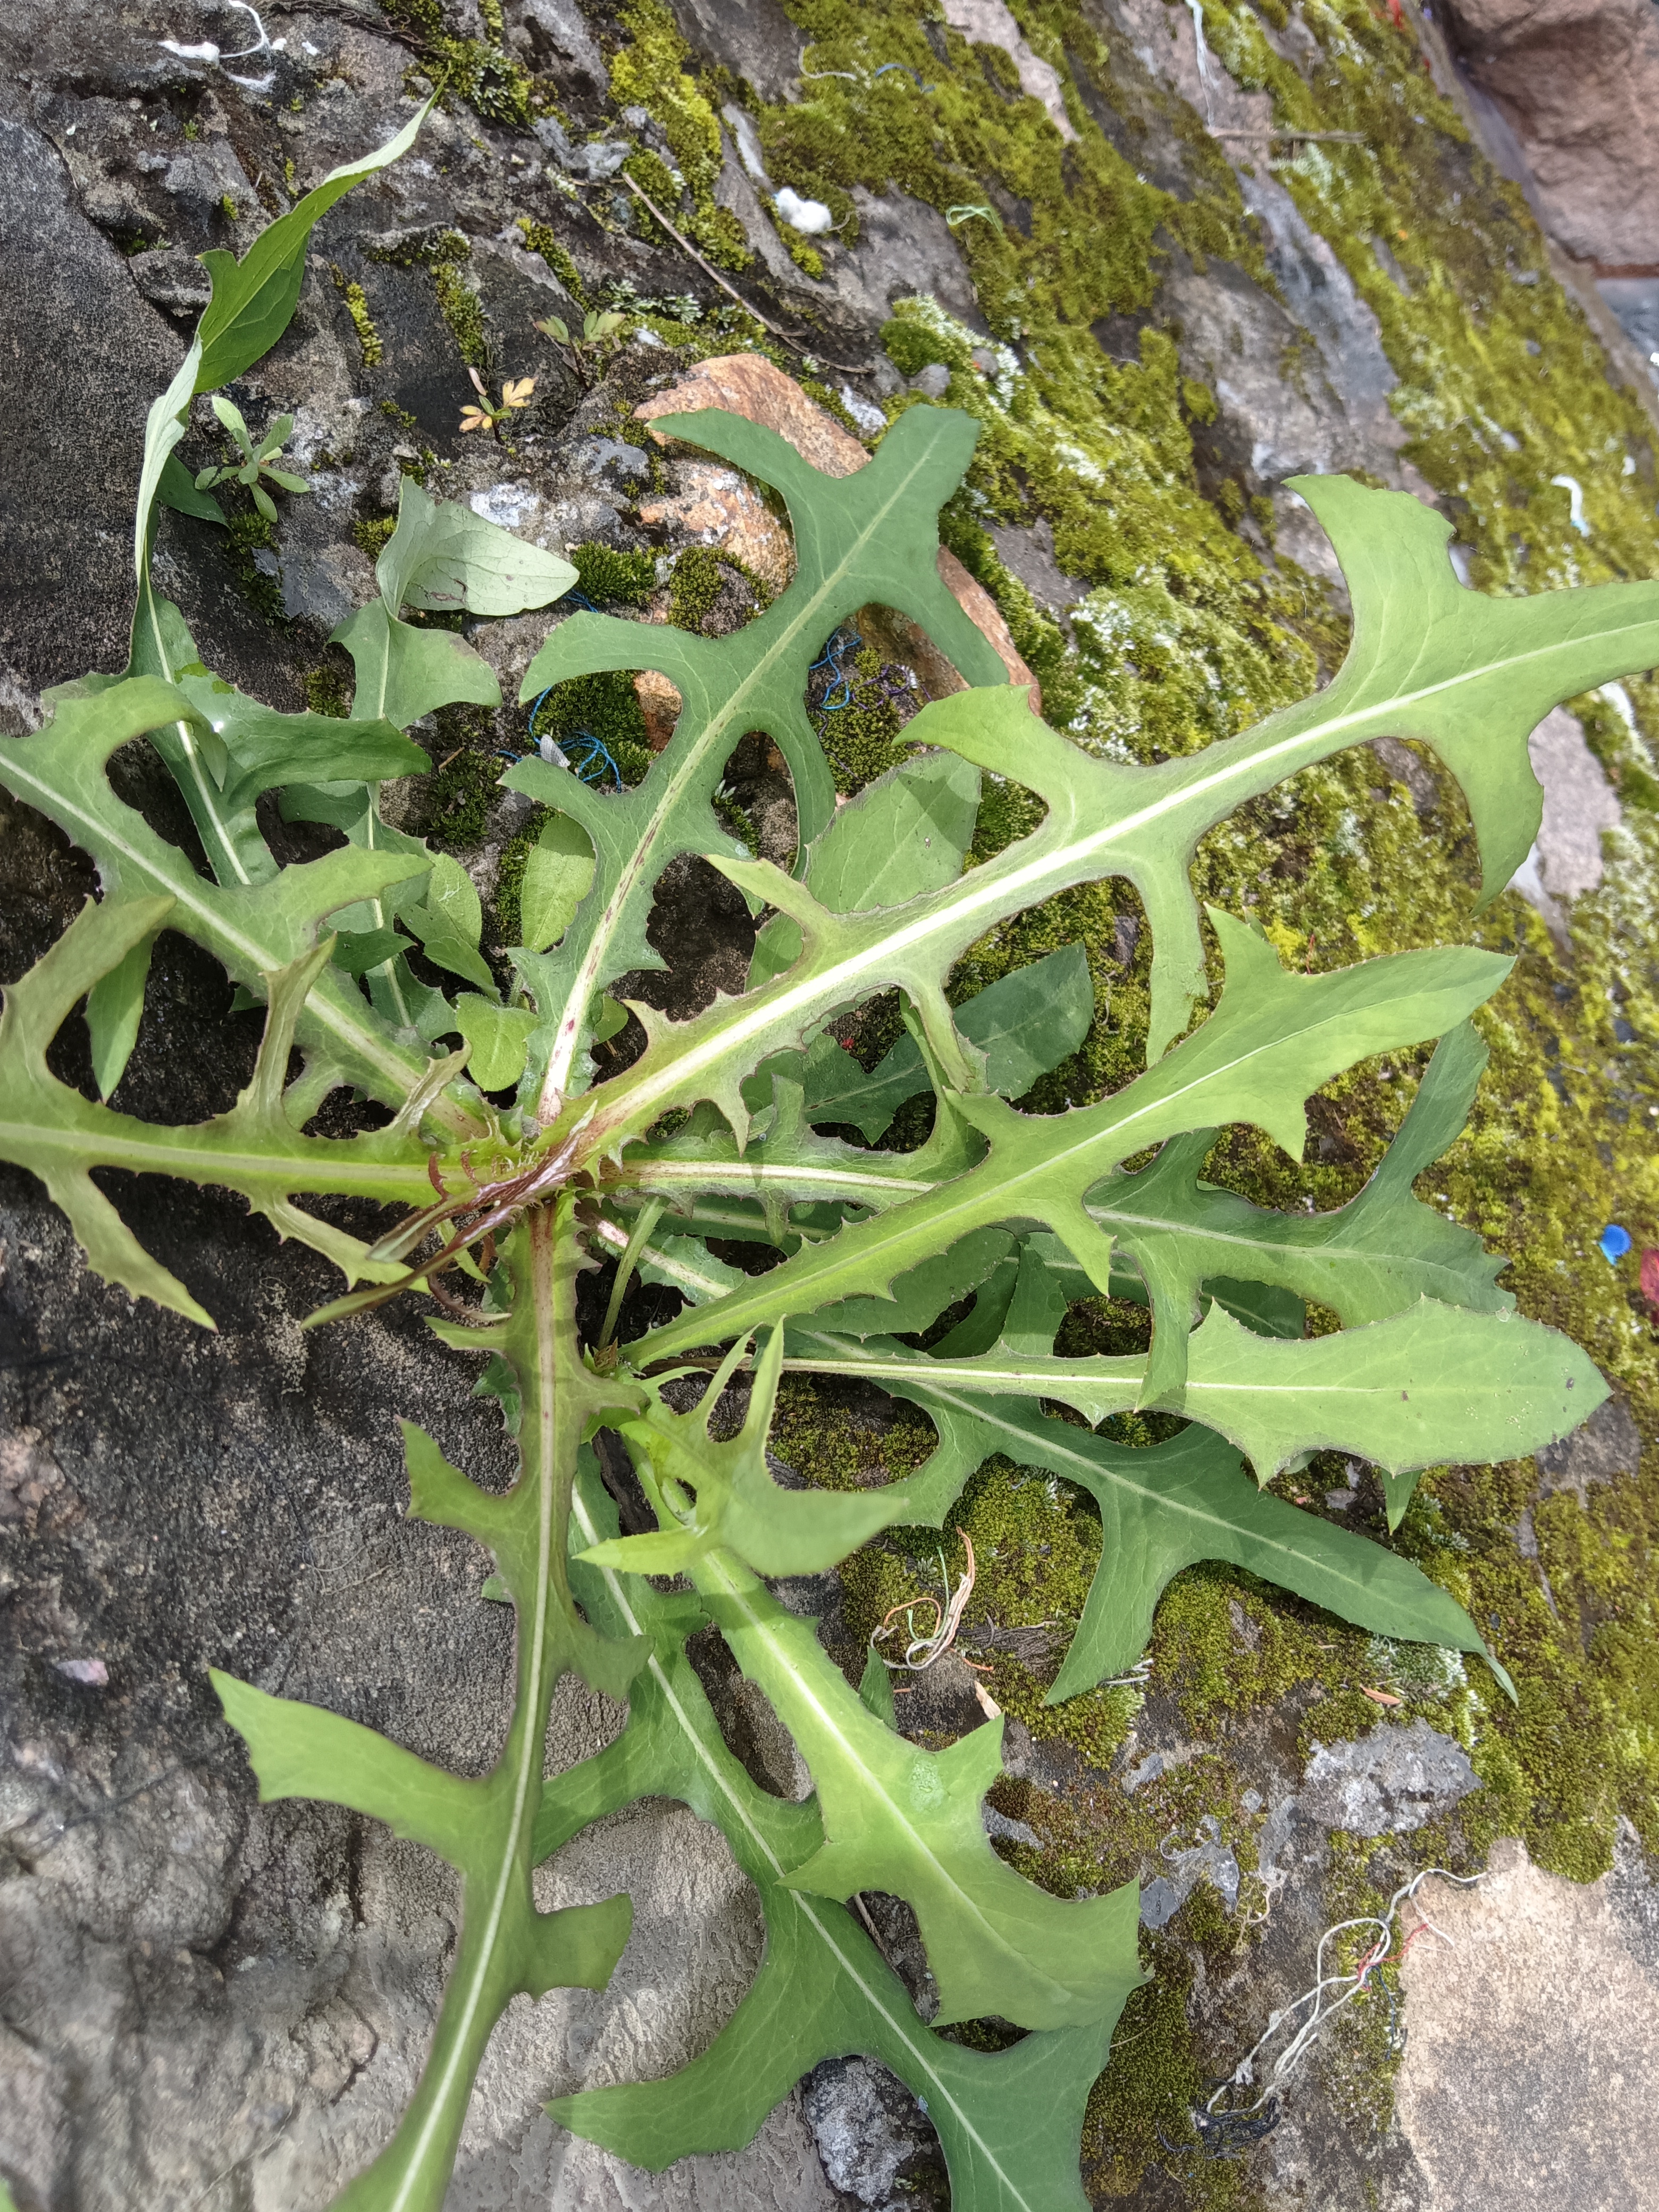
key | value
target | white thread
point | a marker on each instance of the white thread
(1575, 491)
(1244, 2074)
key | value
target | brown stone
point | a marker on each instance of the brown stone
(720, 508)
(749, 384)
(659, 703)
(714, 505)
(1578, 83)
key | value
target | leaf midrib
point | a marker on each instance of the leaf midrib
(610, 919)
(214, 929)
(983, 895)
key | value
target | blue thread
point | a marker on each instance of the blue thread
(841, 642)
(600, 758)
(593, 767)
(908, 71)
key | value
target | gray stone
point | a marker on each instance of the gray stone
(1388, 1782)
(735, 189)
(867, 2124)
(68, 527)
(1610, 1445)
(1635, 300)
(1579, 805)
(991, 23)
(906, 248)
(755, 39)
(1209, 1860)
(1002, 1830)
(174, 281)
(557, 35)
(1027, 549)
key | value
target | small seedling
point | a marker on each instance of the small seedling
(485, 413)
(598, 336)
(257, 467)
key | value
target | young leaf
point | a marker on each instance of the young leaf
(403, 673)
(115, 1007)
(557, 873)
(1024, 1023)
(498, 1036)
(731, 1498)
(442, 556)
(907, 832)
(253, 299)
(177, 488)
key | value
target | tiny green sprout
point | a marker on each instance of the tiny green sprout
(599, 335)
(484, 414)
(258, 467)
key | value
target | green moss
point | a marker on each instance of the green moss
(604, 707)
(702, 596)
(493, 82)
(328, 688)
(373, 534)
(356, 306)
(842, 1448)
(509, 877)
(456, 798)
(541, 238)
(248, 533)
(650, 72)
(693, 586)
(614, 578)
(1143, 2103)
(457, 303)
(425, 249)
(805, 256)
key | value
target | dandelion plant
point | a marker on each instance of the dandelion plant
(508, 1165)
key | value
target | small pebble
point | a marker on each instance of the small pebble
(92, 1672)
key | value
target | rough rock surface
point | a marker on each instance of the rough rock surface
(1392, 1780)
(867, 2128)
(1533, 2045)
(1576, 81)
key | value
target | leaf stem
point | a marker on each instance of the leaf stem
(500, 1923)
